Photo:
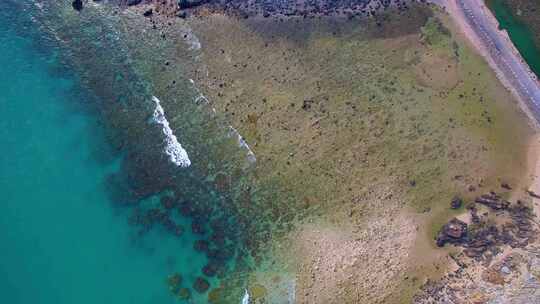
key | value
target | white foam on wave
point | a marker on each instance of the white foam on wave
(173, 148)
(39, 5)
(292, 292)
(245, 299)
(243, 144)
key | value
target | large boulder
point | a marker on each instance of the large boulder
(174, 282)
(184, 294)
(456, 203)
(492, 201)
(455, 231)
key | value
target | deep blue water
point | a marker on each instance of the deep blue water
(62, 240)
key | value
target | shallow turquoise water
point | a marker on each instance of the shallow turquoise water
(63, 241)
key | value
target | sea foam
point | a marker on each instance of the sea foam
(245, 299)
(173, 148)
(243, 144)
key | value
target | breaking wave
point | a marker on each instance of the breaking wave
(245, 299)
(173, 148)
(243, 144)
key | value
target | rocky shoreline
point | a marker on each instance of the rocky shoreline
(497, 260)
(265, 8)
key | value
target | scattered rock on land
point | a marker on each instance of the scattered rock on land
(453, 232)
(493, 201)
(456, 203)
(506, 186)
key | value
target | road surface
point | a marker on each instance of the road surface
(476, 20)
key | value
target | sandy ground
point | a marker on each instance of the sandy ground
(345, 267)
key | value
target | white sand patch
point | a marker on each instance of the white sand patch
(337, 264)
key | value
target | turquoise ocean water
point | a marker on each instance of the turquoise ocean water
(63, 240)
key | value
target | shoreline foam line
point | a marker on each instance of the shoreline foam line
(173, 148)
(243, 144)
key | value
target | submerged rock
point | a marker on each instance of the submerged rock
(184, 293)
(167, 202)
(215, 295)
(201, 245)
(174, 282)
(186, 209)
(197, 227)
(210, 269)
(77, 5)
(456, 203)
(178, 231)
(201, 285)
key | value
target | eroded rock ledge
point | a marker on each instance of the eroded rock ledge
(271, 8)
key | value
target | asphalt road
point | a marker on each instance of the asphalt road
(510, 64)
